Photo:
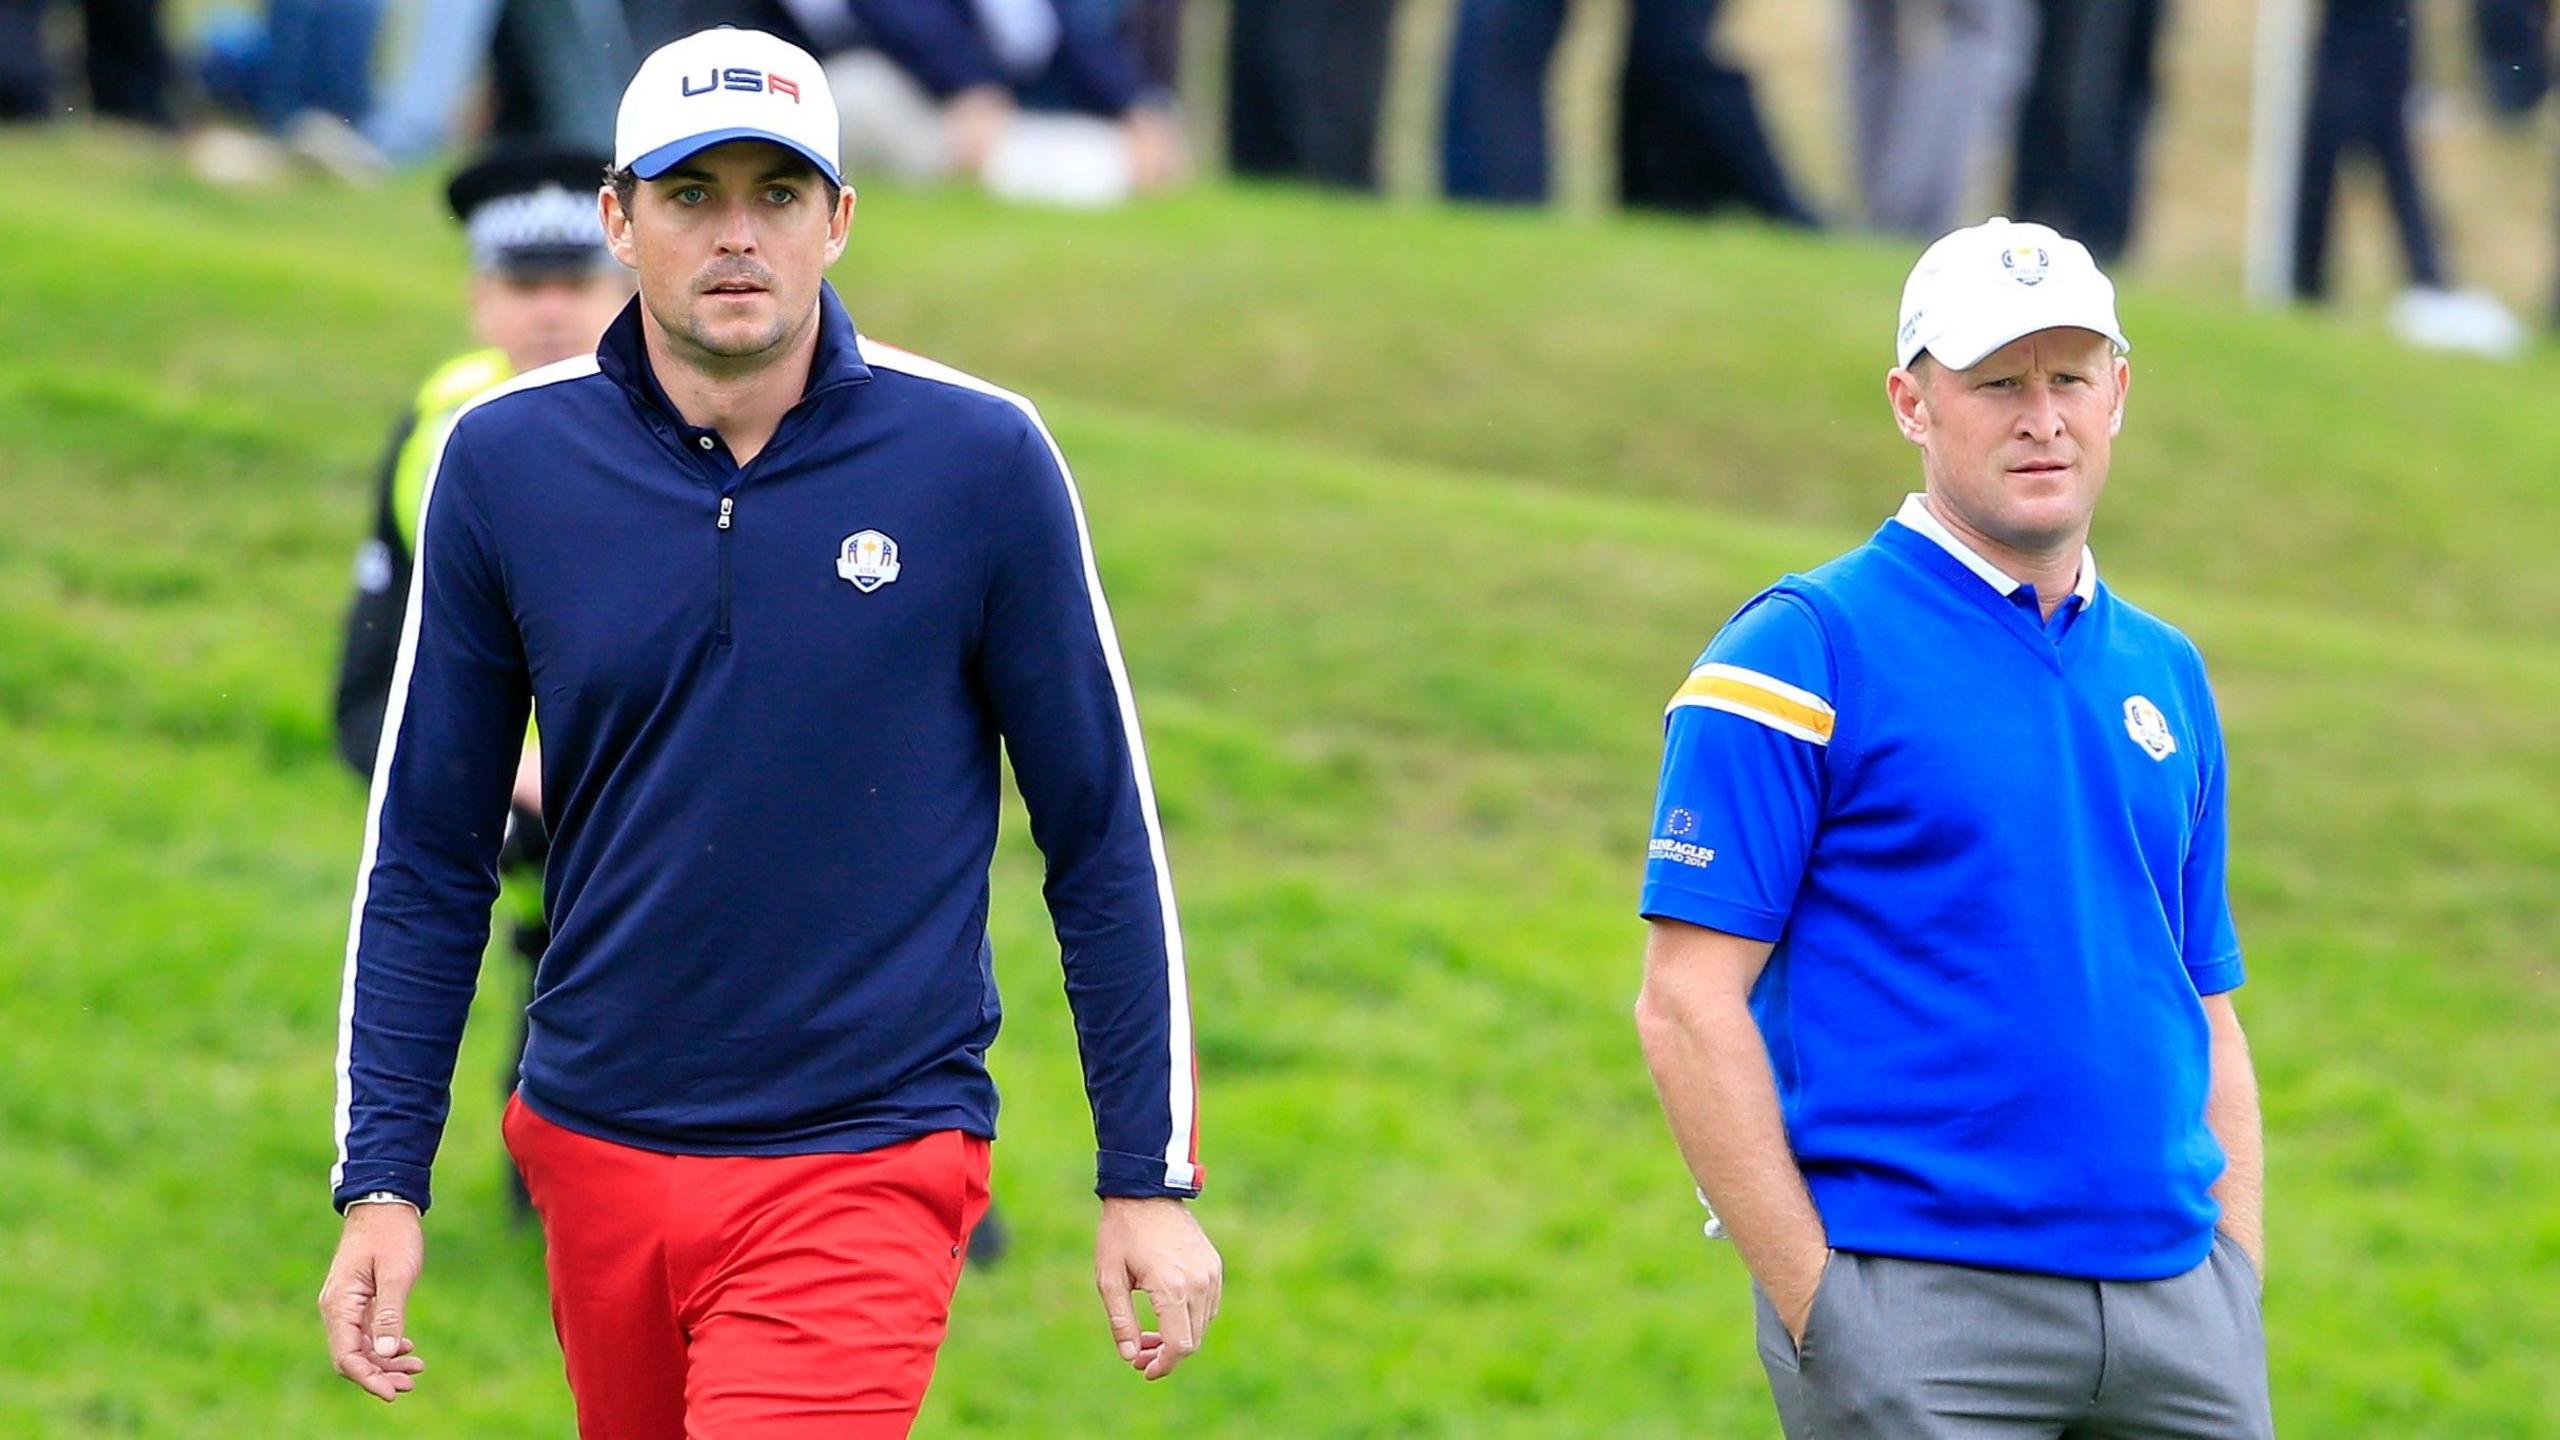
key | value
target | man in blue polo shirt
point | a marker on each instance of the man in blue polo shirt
(1937, 990)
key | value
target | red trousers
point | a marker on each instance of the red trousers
(717, 1297)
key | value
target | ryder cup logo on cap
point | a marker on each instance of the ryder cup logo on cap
(1980, 288)
(715, 86)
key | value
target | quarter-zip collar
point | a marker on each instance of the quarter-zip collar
(623, 356)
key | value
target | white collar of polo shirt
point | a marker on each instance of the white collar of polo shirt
(1915, 514)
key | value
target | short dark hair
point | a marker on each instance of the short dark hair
(626, 185)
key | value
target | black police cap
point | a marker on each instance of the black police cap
(512, 206)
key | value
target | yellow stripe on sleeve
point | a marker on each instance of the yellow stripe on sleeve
(1755, 696)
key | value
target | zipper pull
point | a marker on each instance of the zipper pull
(728, 503)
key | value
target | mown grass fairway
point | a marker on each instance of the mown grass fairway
(1411, 522)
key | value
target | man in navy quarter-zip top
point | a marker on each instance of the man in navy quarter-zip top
(778, 594)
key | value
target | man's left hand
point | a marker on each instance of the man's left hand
(2253, 1248)
(1155, 1246)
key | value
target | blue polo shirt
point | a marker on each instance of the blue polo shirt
(1988, 850)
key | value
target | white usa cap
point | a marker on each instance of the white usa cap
(715, 86)
(1977, 289)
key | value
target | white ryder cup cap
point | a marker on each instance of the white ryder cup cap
(715, 86)
(1979, 288)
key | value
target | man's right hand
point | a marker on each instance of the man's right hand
(1711, 1068)
(364, 1305)
(1793, 1294)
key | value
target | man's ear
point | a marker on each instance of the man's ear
(1909, 396)
(2124, 382)
(617, 227)
(840, 225)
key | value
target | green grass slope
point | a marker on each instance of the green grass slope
(1411, 521)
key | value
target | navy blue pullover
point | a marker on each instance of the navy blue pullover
(771, 699)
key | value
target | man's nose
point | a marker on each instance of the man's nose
(737, 230)
(2039, 418)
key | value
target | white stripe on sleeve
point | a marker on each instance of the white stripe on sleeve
(1179, 1171)
(393, 712)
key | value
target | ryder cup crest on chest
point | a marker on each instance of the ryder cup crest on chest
(2149, 728)
(867, 560)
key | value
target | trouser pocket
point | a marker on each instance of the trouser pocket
(1771, 1330)
(2239, 1259)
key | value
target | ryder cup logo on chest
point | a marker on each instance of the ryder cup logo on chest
(2025, 263)
(2149, 728)
(867, 560)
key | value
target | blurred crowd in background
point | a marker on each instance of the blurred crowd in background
(1078, 102)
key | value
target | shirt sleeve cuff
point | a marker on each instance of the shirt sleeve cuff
(1117, 1174)
(409, 1182)
(1666, 901)
(2217, 975)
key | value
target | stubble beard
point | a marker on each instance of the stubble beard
(733, 353)
(2004, 519)
(701, 338)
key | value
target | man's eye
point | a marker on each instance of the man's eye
(781, 195)
(689, 195)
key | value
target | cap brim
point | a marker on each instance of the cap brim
(655, 163)
(1961, 347)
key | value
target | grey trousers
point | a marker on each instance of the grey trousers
(1932, 94)
(1910, 1350)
